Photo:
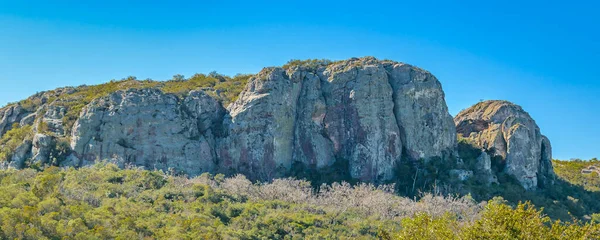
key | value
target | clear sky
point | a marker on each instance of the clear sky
(542, 55)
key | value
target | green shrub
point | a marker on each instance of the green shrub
(13, 139)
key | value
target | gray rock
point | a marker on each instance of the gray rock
(21, 154)
(42, 148)
(506, 130)
(53, 118)
(28, 120)
(360, 120)
(546, 175)
(484, 168)
(420, 108)
(10, 115)
(261, 128)
(144, 128)
(71, 161)
(461, 174)
(357, 111)
(361, 112)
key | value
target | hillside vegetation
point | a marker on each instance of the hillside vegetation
(579, 172)
(104, 202)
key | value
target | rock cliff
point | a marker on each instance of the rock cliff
(363, 114)
(362, 111)
(507, 131)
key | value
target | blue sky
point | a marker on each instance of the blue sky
(542, 55)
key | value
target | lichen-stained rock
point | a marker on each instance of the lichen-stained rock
(505, 129)
(261, 128)
(312, 148)
(144, 128)
(21, 154)
(207, 111)
(10, 115)
(420, 108)
(53, 118)
(41, 148)
(345, 111)
(360, 119)
(301, 118)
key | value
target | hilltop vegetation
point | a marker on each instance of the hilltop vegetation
(579, 172)
(103, 201)
(224, 88)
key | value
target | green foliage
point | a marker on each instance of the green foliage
(563, 200)
(309, 63)
(571, 171)
(13, 139)
(104, 202)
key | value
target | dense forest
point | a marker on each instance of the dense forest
(105, 202)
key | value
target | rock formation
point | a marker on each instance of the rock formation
(150, 129)
(363, 111)
(506, 130)
(362, 114)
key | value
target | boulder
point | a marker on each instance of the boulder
(506, 130)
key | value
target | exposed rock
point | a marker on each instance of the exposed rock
(420, 108)
(356, 111)
(42, 147)
(461, 174)
(10, 115)
(361, 112)
(505, 129)
(360, 120)
(484, 168)
(207, 111)
(261, 129)
(312, 148)
(143, 128)
(546, 174)
(20, 155)
(28, 120)
(53, 118)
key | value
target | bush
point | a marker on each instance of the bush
(13, 139)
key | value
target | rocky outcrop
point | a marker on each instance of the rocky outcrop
(20, 155)
(9, 116)
(360, 111)
(506, 130)
(150, 129)
(363, 115)
(420, 108)
(42, 147)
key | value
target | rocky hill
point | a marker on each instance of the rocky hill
(360, 119)
(505, 130)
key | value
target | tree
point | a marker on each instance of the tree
(178, 77)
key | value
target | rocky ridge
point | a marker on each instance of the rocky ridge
(367, 114)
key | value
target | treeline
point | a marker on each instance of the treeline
(105, 202)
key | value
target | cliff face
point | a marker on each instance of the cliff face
(506, 130)
(363, 114)
(362, 111)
